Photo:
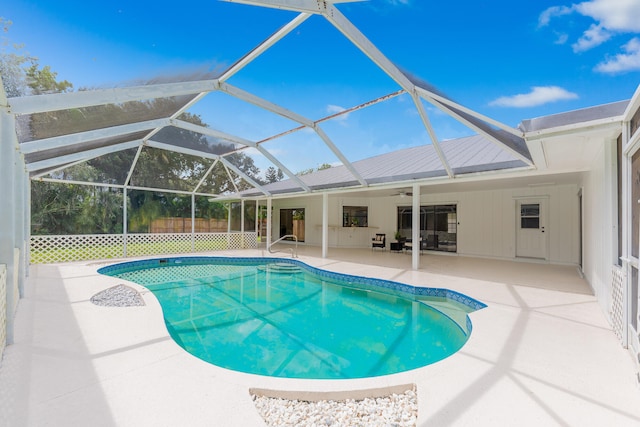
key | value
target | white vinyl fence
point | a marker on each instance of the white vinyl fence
(50, 249)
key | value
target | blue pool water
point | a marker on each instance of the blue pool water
(283, 318)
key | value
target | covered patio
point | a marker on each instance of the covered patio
(541, 353)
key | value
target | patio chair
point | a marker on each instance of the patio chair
(408, 245)
(380, 241)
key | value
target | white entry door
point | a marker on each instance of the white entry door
(531, 235)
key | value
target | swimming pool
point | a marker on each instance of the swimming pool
(283, 318)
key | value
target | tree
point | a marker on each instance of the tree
(323, 166)
(13, 61)
(70, 208)
(43, 80)
(273, 175)
(21, 73)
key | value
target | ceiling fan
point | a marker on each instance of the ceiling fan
(403, 193)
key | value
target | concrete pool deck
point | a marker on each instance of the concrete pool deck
(540, 354)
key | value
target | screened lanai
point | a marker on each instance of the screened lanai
(151, 138)
(231, 141)
(131, 125)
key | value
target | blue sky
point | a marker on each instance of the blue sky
(508, 60)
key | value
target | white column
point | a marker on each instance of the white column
(27, 223)
(269, 201)
(242, 216)
(242, 222)
(325, 224)
(20, 174)
(125, 221)
(193, 223)
(8, 145)
(626, 233)
(415, 228)
(257, 219)
(229, 225)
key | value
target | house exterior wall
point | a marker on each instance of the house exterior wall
(487, 220)
(599, 186)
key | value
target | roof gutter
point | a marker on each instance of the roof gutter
(602, 124)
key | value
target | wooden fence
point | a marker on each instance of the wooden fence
(183, 225)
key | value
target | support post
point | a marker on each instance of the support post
(19, 217)
(627, 229)
(27, 223)
(242, 223)
(269, 204)
(257, 219)
(415, 228)
(125, 221)
(8, 147)
(193, 223)
(325, 224)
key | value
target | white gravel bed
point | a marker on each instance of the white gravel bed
(118, 296)
(398, 410)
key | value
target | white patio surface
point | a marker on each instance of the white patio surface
(540, 354)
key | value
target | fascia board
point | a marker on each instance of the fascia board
(611, 122)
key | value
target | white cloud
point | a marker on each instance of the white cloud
(615, 15)
(539, 95)
(334, 109)
(594, 36)
(552, 12)
(610, 16)
(562, 38)
(624, 61)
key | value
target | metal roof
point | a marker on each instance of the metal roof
(465, 155)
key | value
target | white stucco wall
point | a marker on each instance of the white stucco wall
(487, 220)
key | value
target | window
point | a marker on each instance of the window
(530, 216)
(355, 216)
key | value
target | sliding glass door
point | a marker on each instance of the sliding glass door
(438, 226)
